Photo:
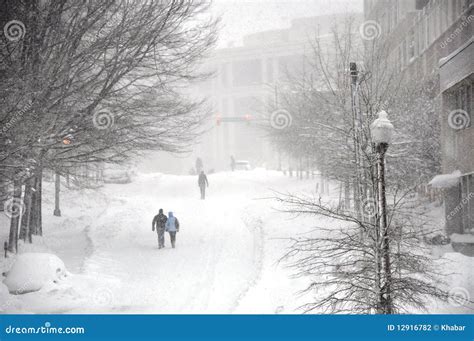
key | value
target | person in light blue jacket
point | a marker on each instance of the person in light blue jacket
(172, 226)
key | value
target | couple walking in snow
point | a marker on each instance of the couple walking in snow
(163, 224)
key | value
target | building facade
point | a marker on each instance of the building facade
(433, 39)
(246, 83)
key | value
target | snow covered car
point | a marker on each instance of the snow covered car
(242, 165)
(117, 175)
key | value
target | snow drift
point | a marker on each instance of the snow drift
(32, 271)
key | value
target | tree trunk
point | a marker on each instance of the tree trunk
(347, 195)
(39, 202)
(26, 217)
(15, 212)
(36, 227)
(3, 193)
(57, 189)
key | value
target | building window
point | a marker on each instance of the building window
(463, 99)
(466, 4)
(411, 45)
(270, 70)
(444, 13)
(422, 35)
(224, 75)
(428, 30)
(467, 203)
(454, 10)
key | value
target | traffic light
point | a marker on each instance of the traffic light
(248, 118)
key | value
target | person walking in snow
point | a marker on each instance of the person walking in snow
(232, 163)
(159, 222)
(203, 183)
(172, 226)
(199, 165)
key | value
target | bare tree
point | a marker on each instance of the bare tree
(353, 259)
(98, 81)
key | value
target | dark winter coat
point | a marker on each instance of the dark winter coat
(159, 221)
(202, 181)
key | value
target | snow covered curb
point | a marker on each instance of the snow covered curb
(32, 271)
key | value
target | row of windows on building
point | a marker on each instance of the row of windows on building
(428, 26)
(467, 193)
(463, 98)
(258, 71)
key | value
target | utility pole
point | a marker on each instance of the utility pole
(57, 189)
(356, 125)
(382, 131)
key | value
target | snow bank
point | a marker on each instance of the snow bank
(32, 271)
(462, 238)
(446, 180)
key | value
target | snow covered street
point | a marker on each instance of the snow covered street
(226, 259)
(218, 259)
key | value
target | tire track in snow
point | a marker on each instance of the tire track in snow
(254, 223)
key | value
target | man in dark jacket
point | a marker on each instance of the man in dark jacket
(159, 222)
(203, 183)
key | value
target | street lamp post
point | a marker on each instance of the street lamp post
(382, 131)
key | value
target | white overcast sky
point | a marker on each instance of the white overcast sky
(241, 17)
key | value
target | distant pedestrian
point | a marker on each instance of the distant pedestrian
(232, 163)
(172, 226)
(159, 222)
(199, 165)
(203, 183)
